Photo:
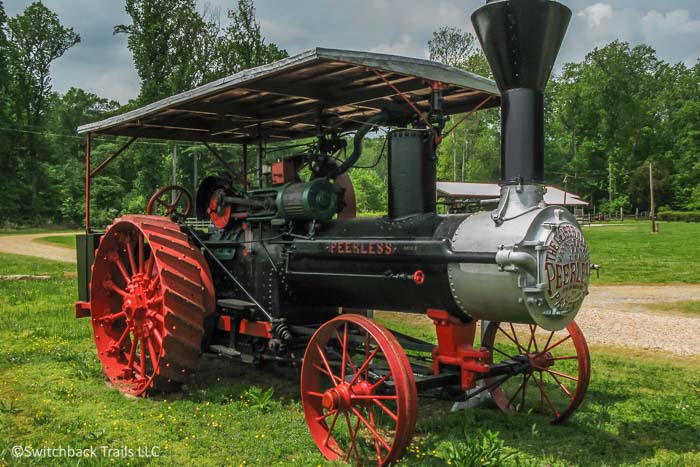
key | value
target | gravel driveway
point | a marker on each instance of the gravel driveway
(616, 315)
(26, 245)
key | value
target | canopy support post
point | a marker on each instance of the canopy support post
(245, 166)
(220, 158)
(260, 158)
(88, 141)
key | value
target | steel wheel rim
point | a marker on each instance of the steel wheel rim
(560, 369)
(379, 425)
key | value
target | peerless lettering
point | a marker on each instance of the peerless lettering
(567, 266)
(361, 248)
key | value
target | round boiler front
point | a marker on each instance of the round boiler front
(542, 271)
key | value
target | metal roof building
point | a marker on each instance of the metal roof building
(457, 190)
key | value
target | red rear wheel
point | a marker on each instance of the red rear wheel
(150, 294)
(358, 392)
(560, 368)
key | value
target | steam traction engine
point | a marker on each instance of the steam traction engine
(283, 271)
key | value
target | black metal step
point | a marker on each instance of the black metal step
(235, 304)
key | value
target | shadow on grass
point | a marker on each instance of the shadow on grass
(593, 436)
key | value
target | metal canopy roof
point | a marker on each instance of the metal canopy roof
(287, 99)
(458, 190)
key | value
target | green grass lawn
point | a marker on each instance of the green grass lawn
(631, 253)
(67, 241)
(642, 408)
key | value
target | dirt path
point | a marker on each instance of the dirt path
(25, 245)
(611, 315)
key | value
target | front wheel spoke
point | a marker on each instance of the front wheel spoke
(560, 341)
(347, 360)
(386, 410)
(517, 341)
(352, 435)
(517, 391)
(381, 381)
(371, 429)
(376, 443)
(373, 397)
(330, 430)
(561, 385)
(364, 366)
(563, 375)
(549, 339)
(546, 397)
(326, 415)
(500, 351)
(328, 367)
(567, 357)
(520, 349)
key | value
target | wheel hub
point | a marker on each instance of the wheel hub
(137, 306)
(341, 397)
(540, 360)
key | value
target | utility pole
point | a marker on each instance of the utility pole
(651, 193)
(610, 182)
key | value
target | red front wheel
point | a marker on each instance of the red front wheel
(358, 392)
(559, 368)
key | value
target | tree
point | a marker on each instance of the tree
(171, 44)
(451, 46)
(469, 160)
(243, 45)
(36, 39)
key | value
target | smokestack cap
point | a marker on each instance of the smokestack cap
(521, 39)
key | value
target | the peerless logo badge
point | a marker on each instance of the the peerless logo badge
(567, 266)
(361, 248)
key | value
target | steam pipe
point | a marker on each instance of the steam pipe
(357, 142)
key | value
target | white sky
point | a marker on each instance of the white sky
(102, 64)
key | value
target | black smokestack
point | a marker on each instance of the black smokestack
(521, 40)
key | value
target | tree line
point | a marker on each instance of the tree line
(607, 117)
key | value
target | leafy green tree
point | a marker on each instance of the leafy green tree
(36, 39)
(171, 44)
(451, 46)
(472, 157)
(243, 45)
